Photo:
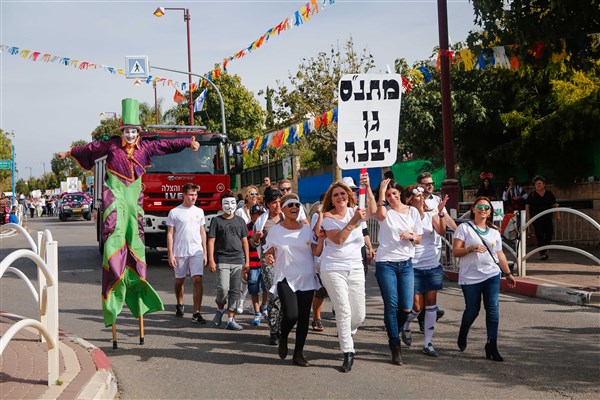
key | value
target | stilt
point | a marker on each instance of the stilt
(141, 329)
(114, 335)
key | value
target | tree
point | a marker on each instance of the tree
(557, 25)
(521, 121)
(244, 116)
(22, 187)
(68, 167)
(5, 154)
(314, 90)
(108, 127)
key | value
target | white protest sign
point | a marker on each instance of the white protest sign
(368, 120)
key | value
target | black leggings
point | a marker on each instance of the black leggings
(295, 307)
(544, 230)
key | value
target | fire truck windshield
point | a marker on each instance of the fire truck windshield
(209, 159)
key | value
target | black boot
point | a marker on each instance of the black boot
(283, 348)
(348, 361)
(396, 354)
(299, 359)
(491, 351)
(462, 339)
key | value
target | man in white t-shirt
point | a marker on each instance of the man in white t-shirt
(186, 246)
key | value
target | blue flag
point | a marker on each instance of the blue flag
(199, 103)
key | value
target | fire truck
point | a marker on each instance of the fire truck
(212, 167)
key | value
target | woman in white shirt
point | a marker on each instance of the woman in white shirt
(478, 244)
(295, 282)
(428, 272)
(341, 262)
(251, 194)
(400, 230)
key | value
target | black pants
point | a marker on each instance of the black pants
(544, 230)
(295, 308)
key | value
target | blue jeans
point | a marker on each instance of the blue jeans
(255, 281)
(397, 284)
(489, 290)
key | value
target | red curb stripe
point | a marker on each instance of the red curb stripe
(523, 287)
(101, 360)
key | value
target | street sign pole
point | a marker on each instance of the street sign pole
(13, 175)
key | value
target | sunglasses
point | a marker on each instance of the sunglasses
(428, 183)
(339, 194)
(297, 205)
(253, 194)
(482, 207)
(286, 189)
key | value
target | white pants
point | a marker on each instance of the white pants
(346, 290)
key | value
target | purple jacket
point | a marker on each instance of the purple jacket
(128, 162)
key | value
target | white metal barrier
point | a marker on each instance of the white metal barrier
(45, 257)
(522, 254)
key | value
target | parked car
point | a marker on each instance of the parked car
(74, 204)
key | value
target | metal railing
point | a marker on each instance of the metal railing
(45, 257)
(522, 246)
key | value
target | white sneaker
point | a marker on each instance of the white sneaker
(233, 326)
(239, 307)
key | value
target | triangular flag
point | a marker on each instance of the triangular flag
(199, 103)
(178, 97)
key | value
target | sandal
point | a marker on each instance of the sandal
(317, 325)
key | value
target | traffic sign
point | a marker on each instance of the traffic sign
(136, 67)
(368, 120)
(5, 164)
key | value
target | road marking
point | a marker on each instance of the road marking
(78, 270)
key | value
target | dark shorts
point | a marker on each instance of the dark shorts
(427, 280)
(322, 292)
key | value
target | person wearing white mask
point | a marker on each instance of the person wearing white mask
(228, 253)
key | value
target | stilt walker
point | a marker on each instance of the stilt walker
(124, 257)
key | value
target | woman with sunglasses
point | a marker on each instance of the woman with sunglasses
(400, 229)
(478, 244)
(289, 246)
(428, 272)
(251, 197)
(341, 262)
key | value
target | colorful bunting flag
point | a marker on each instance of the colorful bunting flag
(178, 97)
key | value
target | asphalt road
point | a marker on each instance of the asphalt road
(551, 350)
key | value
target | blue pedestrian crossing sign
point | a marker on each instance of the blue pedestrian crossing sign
(136, 67)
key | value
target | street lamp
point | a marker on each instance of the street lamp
(155, 102)
(44, 165)
(29, 168)
(160, 11)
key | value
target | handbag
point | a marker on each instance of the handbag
(488, 248)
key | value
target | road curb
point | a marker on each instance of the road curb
(103, 384)
(544, 291)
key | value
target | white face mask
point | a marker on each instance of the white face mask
(229, 205)
(130, 134)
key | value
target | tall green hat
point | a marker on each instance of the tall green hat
(130, 114)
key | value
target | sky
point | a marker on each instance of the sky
(48, 106)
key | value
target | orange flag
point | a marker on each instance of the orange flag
(178, 97)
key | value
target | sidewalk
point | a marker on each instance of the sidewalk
(566, 277)
(85, 372)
